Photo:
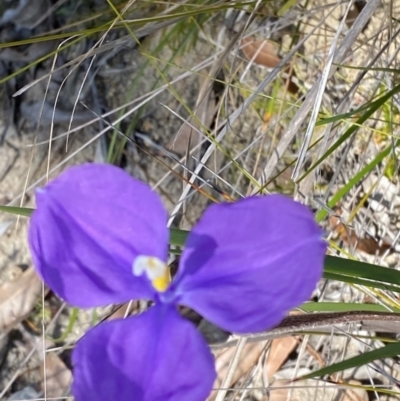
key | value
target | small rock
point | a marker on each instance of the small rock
(27, 393)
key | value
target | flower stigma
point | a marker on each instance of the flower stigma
(156, 270)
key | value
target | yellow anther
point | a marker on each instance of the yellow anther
(161, 283)
(156, 271)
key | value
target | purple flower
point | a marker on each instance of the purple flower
(99, 236)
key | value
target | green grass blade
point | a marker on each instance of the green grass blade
(355, 268)
(349, 271)
(388, 351)
(20, 211)
(341, 307)
(68, 330)
(178, 237)
(372, 108)
(361, 281)
(355, 179)
(339, 269)
(369, 107)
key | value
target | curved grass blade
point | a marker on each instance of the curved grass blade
(346, 270)
(355, 268)
(20, 211)
(178, 237)
(388, 351)
(340, 269)
(353, 181)
(70, 326)
(341, 307)
(360, 281)
(372, 108)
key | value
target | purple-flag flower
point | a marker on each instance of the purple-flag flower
(98, 236)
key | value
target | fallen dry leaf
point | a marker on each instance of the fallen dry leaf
(55, 375)
(350, 238)
(260, 51)
(17, 298)
(189, 136)
(263, 52)
(280, 350)
(355, 394)
(279, 391)
(249, 357)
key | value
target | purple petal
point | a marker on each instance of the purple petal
(246, 264)
(156, 356)
(90, 224)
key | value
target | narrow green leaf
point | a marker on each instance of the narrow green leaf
(355, 179)
(348, 271)
(21, 211)
(286, 7)
(369, 69)
(371, 109)
(178, 237)
(68, 330)
(355, 268)
(360, 281)
(388, 351)
(341, 307)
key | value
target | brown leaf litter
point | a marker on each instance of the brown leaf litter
(17, 299)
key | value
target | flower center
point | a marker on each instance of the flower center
(156, 270)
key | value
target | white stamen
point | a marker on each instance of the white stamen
(155, 269)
